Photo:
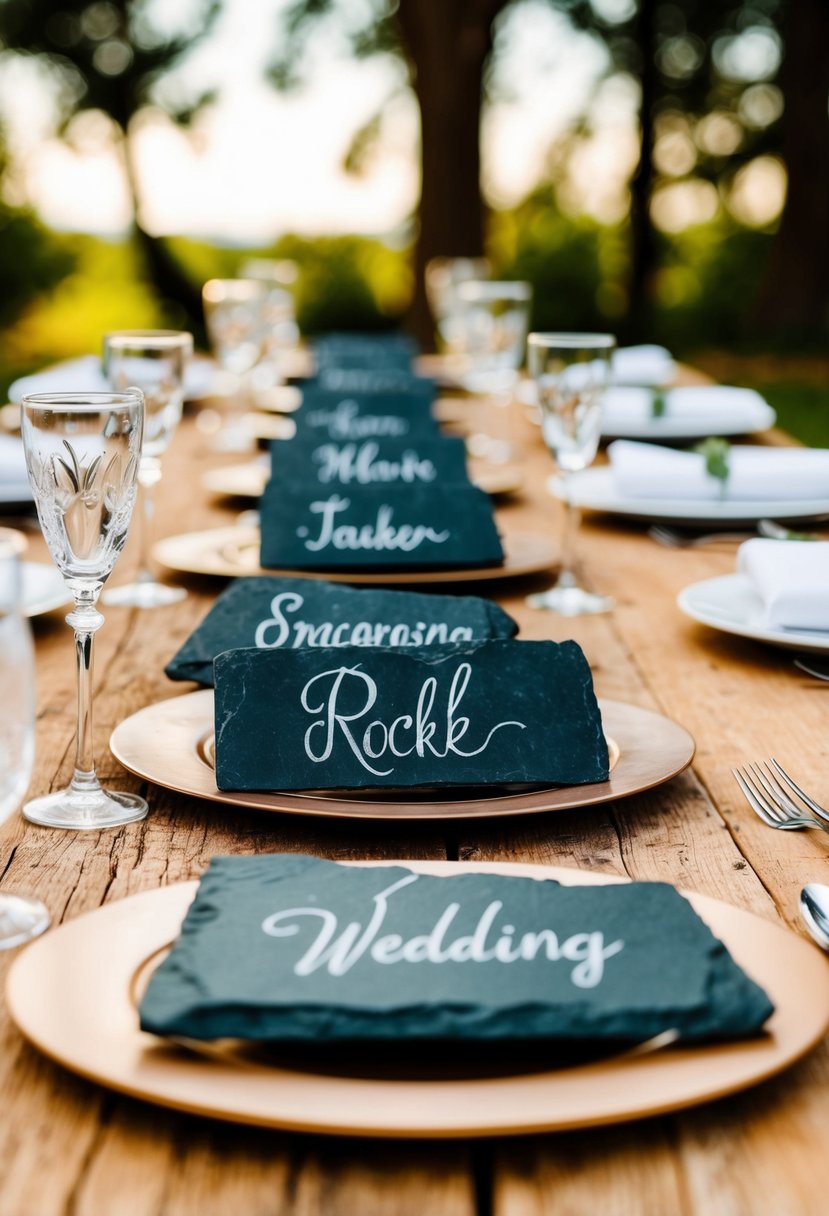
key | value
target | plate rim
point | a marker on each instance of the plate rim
(184, 719)
(800, 640)
(47, 603)
(210, 539)
(479, 1109)
(665, 509)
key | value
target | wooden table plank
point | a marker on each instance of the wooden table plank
(70, 1147)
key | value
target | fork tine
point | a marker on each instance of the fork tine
(765, 794)
(775, 791)
(759, 807)
(795, 788)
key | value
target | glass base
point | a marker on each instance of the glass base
(144, 595)
(486, 447)
(85, 812)
(233, 437)
(570, 601)
(21, 920)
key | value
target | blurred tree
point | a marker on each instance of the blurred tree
(445, 45)
(111, 56)
(794, 299)
(31, 258)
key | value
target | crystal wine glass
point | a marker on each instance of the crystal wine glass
(20, 918)
(493, 320)
(571, 373)
(154, 360)
(442, 278)
(82, 454)
(234, 313)
(281, 334)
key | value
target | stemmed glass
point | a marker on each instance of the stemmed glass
(234, 312)
(154, 360)
(281, 334)
(20, 918)
(571, 373)
(82, 454)
(493, 320)
(442, 278)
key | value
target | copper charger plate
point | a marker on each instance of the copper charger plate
(234, 551)
(248, 480)
(71, 994)
(170, 744)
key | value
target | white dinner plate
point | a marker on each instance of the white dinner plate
(594, 490)
(15, 493)
(43, 588)
(732, 605)
(84, 374)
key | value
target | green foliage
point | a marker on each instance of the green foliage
(802, 408)
(109, 56)
(347, 282)
(562, 257)
(104, 291)
(32, 260)
(709, 276)
(716, 453)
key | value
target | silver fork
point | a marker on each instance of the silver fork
(767, 790)
(672, 538)
(819, 673)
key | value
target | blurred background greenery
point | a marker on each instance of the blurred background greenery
(696, 214)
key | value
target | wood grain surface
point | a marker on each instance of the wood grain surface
(69, 1148)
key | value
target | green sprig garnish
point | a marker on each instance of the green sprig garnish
(716, 453)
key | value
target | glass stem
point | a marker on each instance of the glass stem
(149, 475)
(567, 577)
(86, 621)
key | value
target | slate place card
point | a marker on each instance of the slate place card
(418, 461)
(293, 613)
(359, 380)
(356, 350)
(345, 417)
(376, 527)
(469, 714)
(291, 949)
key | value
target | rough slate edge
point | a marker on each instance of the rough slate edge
(182, 667)
(737, 990)
(450, 651)
(351, 561)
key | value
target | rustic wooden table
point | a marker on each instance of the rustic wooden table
(69, 1147)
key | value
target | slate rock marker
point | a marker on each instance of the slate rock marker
(292, 613)
(423, 461)
(292, 949)
(377, 527)
(470, 714)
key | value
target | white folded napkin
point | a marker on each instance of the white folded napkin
(647, 365)
(644, 470)
(84, 375)
(14, 484)
(707, 406)
(792, 579)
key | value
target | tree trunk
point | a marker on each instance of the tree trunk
(448, 43)
(793, 299)
(171, 284)
(642, 243)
